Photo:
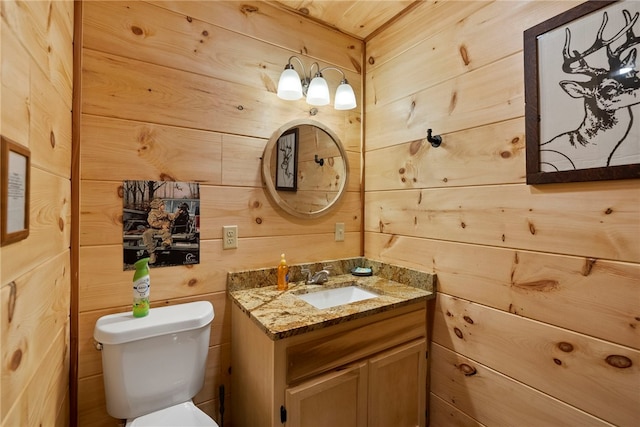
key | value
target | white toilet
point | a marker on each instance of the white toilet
(154, 365)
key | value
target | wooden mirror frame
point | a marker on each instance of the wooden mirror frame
(268, 176)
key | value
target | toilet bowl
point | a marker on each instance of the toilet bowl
(153, 366)
(182, 414)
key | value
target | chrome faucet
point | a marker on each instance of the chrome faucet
(319, 277)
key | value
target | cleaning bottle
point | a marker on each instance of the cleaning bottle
(141, 285)
(283, 274)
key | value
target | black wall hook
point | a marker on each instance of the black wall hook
(319, 161)
(435, 140)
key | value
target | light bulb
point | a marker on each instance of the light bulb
(289, 85)
(318, 92)
(345, 98)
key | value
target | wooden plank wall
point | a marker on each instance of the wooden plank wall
(537, 317)
(185, 91)
(35, 275)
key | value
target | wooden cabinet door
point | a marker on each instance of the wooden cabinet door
(398, 386)
(338, 398)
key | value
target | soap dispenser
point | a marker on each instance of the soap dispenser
(283, 274)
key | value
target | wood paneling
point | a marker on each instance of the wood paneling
(491, 398)
(35, 274)
(538, 286)
(353, 17)
(586, 295)
(593, 375)
(498, 156)
(459, 102)
(559, 220)
(185, 91)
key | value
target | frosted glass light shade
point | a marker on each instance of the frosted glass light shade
(345, 98)
(289, 85)
(318, 92)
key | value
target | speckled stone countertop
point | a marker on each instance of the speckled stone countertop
(281, 314)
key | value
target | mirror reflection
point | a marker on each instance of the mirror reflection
(305, 168)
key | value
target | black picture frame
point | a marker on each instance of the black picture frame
(287, 161)
(15, 191)
(539, 168)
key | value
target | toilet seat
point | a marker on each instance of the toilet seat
(183, 414)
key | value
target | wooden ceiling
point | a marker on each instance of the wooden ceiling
(359, 18)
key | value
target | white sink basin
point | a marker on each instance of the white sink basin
(336, 296)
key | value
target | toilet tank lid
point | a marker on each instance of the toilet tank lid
(123, 327)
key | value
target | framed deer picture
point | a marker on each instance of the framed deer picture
(287, 161)
(582, 94)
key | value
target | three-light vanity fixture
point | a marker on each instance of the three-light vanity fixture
(292, 87)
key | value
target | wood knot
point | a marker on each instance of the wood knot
(453, 102)
(401, 171)
(120, 191)
(414, 147)
(464, 54)
(532, 228)
(467, 370)
(205, 33)
(189, 19)
(246, 9)
(458, 333)
(468, 319)
(52, 139)
(557, 361)
(61, 224)
(609, 211)
(136, 30)
(16, 358)
(618, 361)
(371, 60)
(505, 154)
(565, 346)
(166, 177)
(544, 285)
(588, 266)
(258, 220)
(11, 304)
(192, 282)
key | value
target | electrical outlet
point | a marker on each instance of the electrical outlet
(229, 236)
(339, 231)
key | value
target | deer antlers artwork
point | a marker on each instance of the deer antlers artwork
(609, 95)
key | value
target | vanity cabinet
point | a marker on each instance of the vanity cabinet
(371, 371)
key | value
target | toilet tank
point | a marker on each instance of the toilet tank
(156, 361)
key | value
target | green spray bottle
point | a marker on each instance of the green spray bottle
(141, 287)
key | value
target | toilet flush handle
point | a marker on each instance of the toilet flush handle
(98, 345)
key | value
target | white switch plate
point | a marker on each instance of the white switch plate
(229, 236)
(339, 231)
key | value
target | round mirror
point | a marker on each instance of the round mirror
(305, 168)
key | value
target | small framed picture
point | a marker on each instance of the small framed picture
(15, 169)
(287, 161)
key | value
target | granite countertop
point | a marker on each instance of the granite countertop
(281, 314)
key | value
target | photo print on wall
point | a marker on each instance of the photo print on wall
(582, 93)
(161, 221)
